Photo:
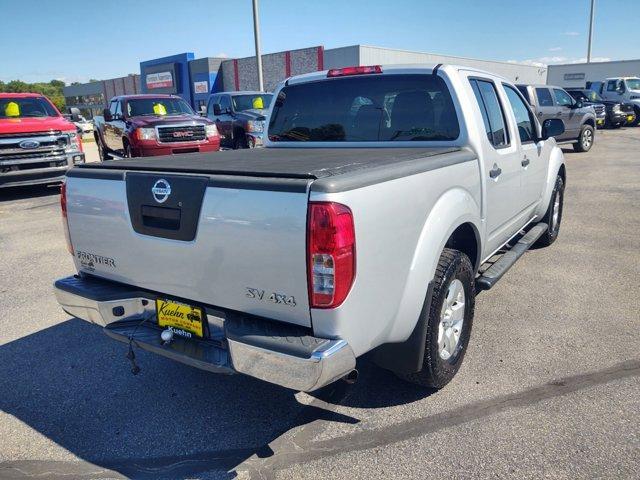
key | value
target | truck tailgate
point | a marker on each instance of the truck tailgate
(227, 241)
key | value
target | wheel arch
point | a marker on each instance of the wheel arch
(556, 167)
(456, 215)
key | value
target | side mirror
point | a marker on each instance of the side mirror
(578, 104)
(106, 113)
(75, 114)
(216, 109)
(202, 111)
(553, 127)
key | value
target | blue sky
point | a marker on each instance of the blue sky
(77, 40)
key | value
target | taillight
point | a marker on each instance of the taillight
(65, 220)
(331, 255)
(345, 72)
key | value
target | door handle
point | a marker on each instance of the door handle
(495, 171)
(559, 114)
(525, 162)
(539, 114)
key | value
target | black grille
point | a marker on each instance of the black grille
(184, 133)
(32, 166)
(27, 155)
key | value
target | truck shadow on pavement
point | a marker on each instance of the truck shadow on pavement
(31, 191)
(73, 385)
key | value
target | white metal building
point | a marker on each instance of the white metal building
(577, 74)
(368, 55)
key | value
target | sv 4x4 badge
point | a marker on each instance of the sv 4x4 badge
(274, 297)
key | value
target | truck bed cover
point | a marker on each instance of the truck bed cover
(312, 163)
(333, 169)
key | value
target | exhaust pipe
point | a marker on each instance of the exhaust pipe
(351, 377)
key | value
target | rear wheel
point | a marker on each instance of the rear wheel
(585, 140)
(102, 152)
(553, 217)
(449, 320)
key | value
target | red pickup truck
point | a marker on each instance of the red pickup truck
(37, 144)
(148, 125)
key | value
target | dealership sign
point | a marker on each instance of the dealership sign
(201, 87)
(159, 80)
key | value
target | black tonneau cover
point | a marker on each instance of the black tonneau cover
(303, 163)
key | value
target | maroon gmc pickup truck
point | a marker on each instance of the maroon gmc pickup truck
(148, 125)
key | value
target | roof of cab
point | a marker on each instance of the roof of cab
(415, 68)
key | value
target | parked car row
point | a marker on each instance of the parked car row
(149, 125)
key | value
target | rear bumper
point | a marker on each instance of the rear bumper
(278, 353)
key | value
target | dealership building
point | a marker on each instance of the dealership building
(578, 74)
(195, 79)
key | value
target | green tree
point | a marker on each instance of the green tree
(51, 90)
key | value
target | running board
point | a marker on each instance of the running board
(495, 272)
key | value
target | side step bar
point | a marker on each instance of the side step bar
(495, 272)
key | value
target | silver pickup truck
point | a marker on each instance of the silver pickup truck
(385, 197)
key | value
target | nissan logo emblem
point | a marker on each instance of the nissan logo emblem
(28, 144)
(161, 190)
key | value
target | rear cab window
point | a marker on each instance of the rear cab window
(367, 108)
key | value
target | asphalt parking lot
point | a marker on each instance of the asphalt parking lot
(550, 386)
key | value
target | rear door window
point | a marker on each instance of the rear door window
(492, 113)
(367, 108)
(544, 97)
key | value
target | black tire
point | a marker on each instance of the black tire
(102, 152)
(636, 122)
(127, 150)
(436, 372)
(239, 140)
(585, 139)
(551, 233)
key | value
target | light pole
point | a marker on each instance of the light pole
(256, 35)
(593, 7)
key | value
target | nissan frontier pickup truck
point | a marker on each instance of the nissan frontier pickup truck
(384, 199)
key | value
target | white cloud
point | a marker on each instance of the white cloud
(221, 55)
(571, 34)
(555, 49)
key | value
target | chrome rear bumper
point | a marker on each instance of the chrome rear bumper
(121, 310)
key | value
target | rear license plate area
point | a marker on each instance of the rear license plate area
(183, 319)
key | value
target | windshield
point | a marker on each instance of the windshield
(157, 106)
(593, 96)
(251, 102)
(365, 109)
(633, 83)
(26, 107)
